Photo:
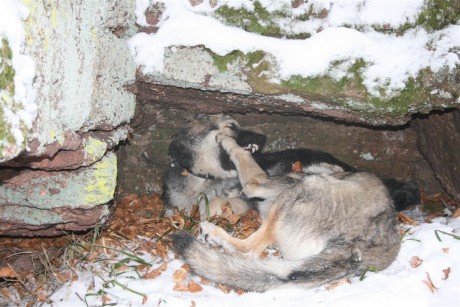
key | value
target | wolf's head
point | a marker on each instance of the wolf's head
(195, 149)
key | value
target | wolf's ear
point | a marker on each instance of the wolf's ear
(180, 153)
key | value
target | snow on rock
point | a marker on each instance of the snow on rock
(336, 41)
(19, 110)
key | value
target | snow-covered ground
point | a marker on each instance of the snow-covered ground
(346, 35)
(426, 273)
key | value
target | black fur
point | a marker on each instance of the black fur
(181, 241)
(280, 162)
(403, 194)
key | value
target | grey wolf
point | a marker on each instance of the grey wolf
(327, 223)
(200, 165)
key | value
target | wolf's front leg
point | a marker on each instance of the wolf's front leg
(249, 172)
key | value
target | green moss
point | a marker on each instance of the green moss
(6, 69)
(248, 20)
(326, 86)
(222, 61)
(436, 15)
(439, 14)
(259, 21)
(6, 94)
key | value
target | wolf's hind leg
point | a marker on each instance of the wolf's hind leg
(255, 243)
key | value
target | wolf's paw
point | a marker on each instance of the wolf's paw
(208, 232)
(215, 235)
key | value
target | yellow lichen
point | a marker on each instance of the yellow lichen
(101, 186)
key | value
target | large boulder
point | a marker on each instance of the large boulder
(63, 176)
(342, 61)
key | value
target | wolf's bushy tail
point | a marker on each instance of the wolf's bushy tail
(260, 275)
(404, 194)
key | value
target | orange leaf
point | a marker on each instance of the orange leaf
(296, 167)
(7, 272)
(106, 300)
(228, 214)
(144, 299)
(180, 287)
(415, 262)
(224, 288)
(406, 220)
(456, 213)
(163, 267)
(152, 275)
(336, 284)
(180, 275)
(240, 291)
(194, 287)
(446, 273)
(429, 283)
(186, 267)
(445, 250)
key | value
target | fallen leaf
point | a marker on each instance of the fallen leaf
(7, 272)
(240, 291)
(446, 273)
(296, 167)
(429, 283)
(184, 173)
(445, 250)
(228, 214)
(338, 283)
(106, 300)
(180, 275)
(192, 304)
(415, 262)
(152, 274)
(224, 288)
(204, 281)
(186, 267)
(456, 213)
(161, 250)
(180, 287)
(144, 299)
(122, 268)
(406, 220)
(42, 298)
(194, 287)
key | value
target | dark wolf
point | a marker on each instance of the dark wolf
(200, 165)
(327, 222)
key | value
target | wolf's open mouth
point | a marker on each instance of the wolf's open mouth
(251, 147)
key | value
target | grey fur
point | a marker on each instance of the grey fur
(328, 224)
(195, 151)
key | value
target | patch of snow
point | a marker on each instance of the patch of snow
(390, 60)
(367, 156)
(401, 284)
(12, 16)
(141, 7)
